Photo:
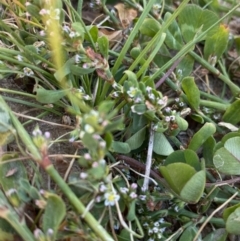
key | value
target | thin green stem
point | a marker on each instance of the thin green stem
(234, 88)
(215, 105)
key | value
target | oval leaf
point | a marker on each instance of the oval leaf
(161, 145)
(201, 136)
(193, 189)
(192, 92)
(49, 96)
(54, 214)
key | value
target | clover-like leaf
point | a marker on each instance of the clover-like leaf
(227, 159)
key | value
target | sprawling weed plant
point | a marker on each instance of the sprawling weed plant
(156, 151)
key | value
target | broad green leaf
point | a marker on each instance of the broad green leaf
(132, 78)
(4, 121)
(217, 43)
(10, 173)
(231, 115)
(150, 27)
(208, 151)
(185, 156)
(53, 215)
(201, 136)
(103, 45)
(174, 37)
(194, 20)
(229, 210)
(93, 31)
(132, 211)
(77, 26)
(49, 96)
(177, 175)
(225, 162)
(136, 140)
(185, 67)
(120, 147)
(192, 92)
(233, 222)
(188, 234)
(105, 106)
(139, 109)
(217, 235)
(233, 146)
(194, 188)
(181, 122)
(161, 145)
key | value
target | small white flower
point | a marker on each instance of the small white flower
(124, 190)
(87, 156)
(181, 104)
(95, 164)
(77, 58)
(177, 99)
(66, 29)
(156, 224)
(111, 198)
(44, 11)
(27, 4)
(167, 118)
(151, 96)
(19, 58)
(133, 195)
(132, 91)
(134, 185)
(115, 85)
(72, 34)
(89, 129)
(155, 230)
(83, 175)
(172, 118)
(145, 224)
(47, 134)
(102, 188)
(37, 132)
(168, 109)
(27, 71)
(149, 89)
(115, 94)
(42, 33)
(142, 197)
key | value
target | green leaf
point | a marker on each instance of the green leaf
(201, 136)
(208, 151)
(231, 115)
(185, 156)
(150, 27)
(77, 26)
(193, 20)
(103, 45)
(53, 215)
(10, 173)
(217, 43)
(192, 92)
(93, 31)
(185, 67)
(132, 211)
(188, 234)
(177, 175)
(49, 96)
(174, 36)
(161, 145)
(132, 77)
(227, 158)
(120, 147)
(136, 140)
(233, 222)
(229, 210)
(217, 235)
(194, 188)
(139, 109)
